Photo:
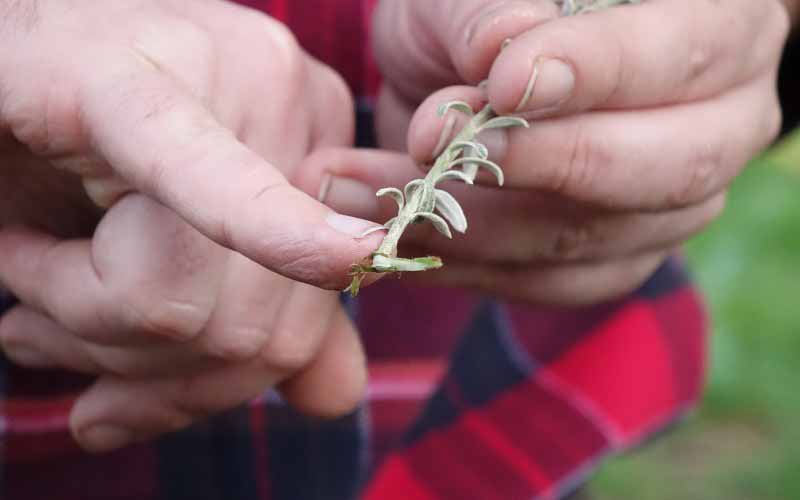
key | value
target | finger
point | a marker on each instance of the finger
(297, 336)
(166, 144)
(333, 120)
(132, 294)
(334, 383)
(261, 313)
(249, 302)
(422, 46)
(105, 418)
(660, 52)
(507, 226)
(55, 277)
(116, 412)
(33, 340)
(568, 285)
(674, 156)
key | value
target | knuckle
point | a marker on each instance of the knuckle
(585, 155)
(285, 51)
(572, 240)
(704, 164)
(290, 355)
(176, 319)
(700, 61)
(240, 343)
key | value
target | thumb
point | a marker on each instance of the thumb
(166, 144)
(422, 46)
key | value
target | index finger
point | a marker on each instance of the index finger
(165, 143)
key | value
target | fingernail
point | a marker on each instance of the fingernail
(496, 141)
(351, 197)
(324, 187)
(31, 358)
(351, 226)
(105, 437)
(492, 16)
(551, 83)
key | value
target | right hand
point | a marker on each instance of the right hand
(203, 106)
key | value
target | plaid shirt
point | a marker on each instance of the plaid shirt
(469, 398)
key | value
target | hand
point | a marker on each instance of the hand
(641, 116)
(180, 102)
(176, 325)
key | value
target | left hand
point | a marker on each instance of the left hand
(641, 117)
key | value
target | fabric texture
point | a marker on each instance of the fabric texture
(469, 398)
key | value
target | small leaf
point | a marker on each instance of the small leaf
(384, 264)
(470, 170)
(447, 205)
(372, 230)
(488, 165)
(455, 175)
(504, 122)
(469, 148)
(437, 222)
(460, 106)
(355, 285)
(395, 194)
(412, 186)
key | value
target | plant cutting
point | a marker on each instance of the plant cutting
(424, 200)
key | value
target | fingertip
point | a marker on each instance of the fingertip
(531, 81)
(490, 27)
(430, 132)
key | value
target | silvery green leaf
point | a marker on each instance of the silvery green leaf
(439, 223)
(388, 224)
(384, 264)
(460, 106)
(505, 122)
(447, 205)
(455, 175)
(372, 230)
(470, 170)
(488, 165)
(395, 193)
(412, 186)
(470, 148)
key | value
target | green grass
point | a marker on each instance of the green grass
(744, 443)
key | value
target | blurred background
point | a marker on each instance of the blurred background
(744, 442)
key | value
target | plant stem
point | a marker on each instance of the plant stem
(408, 214)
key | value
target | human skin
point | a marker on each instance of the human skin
(191, 296)
(641, 117)
(155, 374)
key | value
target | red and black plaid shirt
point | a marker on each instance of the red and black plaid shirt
(469, 398)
